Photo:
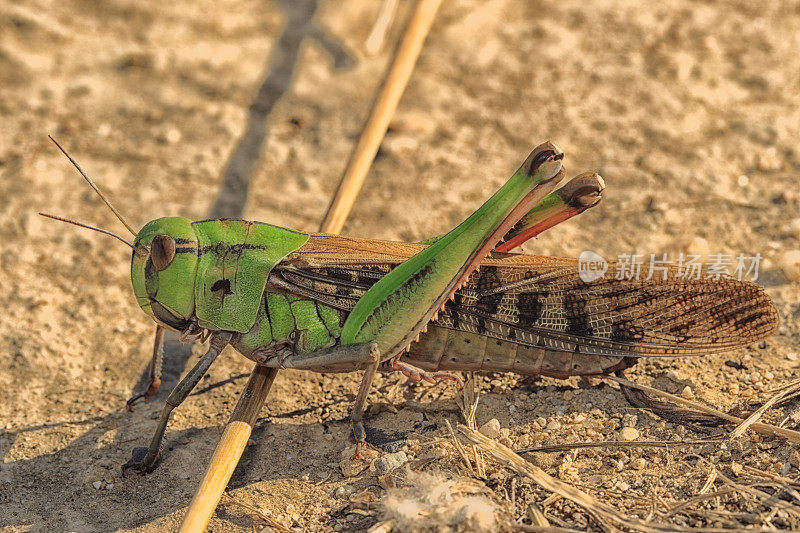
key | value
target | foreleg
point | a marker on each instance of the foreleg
(145, 460)
(156, 363)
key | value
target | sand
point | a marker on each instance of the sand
(688, 110)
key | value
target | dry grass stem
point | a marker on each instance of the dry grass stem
(752, 419)
(459, 448)
(762, 497)
(385, 526)
(759, 427)
(227, 499)
(784, 386)
(550, 500)
(601, 512)
(468, 405)
(383, 21)
(544, 529)
(381, 114)
(709, 482)
(536, 516)
(688, 503)
(770, 475)
(613, 444)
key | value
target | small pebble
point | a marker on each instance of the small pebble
(630, 420)
(413, 122)
(97, 484)
(687, 393)
(292, 513)
(553, 425)
(491, 428)
(769, 160)
(698, 246)
(172, 136)
(542, 421)
(795, 228)
(399, 144)
(790, 265)
(389, 462)
(343, 492)
(791, 356)
(628, 434)
(639, 463)
(623, 487)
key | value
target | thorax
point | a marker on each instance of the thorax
(286, 323)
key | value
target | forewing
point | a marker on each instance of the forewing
(542, 301)
(549, 305)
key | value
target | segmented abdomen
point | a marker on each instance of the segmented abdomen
(446, 349)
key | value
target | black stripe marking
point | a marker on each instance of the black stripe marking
(223, 247)
(577, 317)
(530, 306)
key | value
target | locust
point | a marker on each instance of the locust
(461, 301)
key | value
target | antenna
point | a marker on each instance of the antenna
(87, 227)
(96, 189)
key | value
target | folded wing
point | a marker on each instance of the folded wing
(543, 302)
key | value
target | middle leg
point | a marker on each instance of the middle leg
(358, 355)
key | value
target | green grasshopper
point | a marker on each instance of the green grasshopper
(460, 301)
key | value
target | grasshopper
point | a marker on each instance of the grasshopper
(457, 302)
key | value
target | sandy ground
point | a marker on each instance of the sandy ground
(690, 112)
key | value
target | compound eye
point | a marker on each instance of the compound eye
(162, 251)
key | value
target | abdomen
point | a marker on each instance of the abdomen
(446, 349)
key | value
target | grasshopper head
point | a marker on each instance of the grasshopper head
(163, 269)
